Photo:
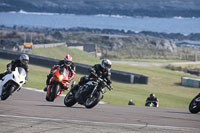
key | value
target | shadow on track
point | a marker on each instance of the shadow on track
(59, 106)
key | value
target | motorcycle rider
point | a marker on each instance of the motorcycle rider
(152, 98)
(68, 64)
(101, 70)
(21, 62)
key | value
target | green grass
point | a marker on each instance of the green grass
(152, 60)
(60, 52)
(163, 82)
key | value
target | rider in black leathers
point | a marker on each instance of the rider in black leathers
(21, 62)
(152, 98)
(101, 70)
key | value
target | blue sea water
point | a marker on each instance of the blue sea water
(136, 24)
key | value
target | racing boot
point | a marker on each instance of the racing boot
(45, 88)
(47, 82)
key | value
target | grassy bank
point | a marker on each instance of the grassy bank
(163, 82)
(60, 52)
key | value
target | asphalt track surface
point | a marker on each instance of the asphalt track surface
(27, 111)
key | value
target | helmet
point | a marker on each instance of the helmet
(152, 95)
(68, 59)
(106, 64)
(24, 59)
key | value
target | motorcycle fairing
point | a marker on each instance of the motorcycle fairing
(18, 76)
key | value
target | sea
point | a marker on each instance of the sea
(137, 24)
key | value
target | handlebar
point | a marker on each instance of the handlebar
(151, 101)
(100, 79)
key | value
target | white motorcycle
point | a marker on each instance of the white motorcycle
(12, 82)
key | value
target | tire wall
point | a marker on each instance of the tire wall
(190, 82)
(116, 75)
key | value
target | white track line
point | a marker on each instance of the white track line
(103, 123)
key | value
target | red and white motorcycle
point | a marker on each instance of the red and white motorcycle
(58, 82)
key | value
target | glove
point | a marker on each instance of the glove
(110, 88)
(93, 73)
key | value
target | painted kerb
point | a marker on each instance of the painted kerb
(116, 75)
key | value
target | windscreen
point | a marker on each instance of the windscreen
(21, 71)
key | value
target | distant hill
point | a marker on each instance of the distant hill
(111, 46)
(152, 8)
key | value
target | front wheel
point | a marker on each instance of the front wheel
(6, 92)
(51, 94)
(93, 101)
(69, 99)
(194, 105)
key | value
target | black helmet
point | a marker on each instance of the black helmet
(152, 95)
(24, 59)
(106, 64)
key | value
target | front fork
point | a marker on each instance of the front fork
(93, 92)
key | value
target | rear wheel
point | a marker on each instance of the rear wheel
(69, 99)
(93, 101)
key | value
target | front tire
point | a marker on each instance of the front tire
(91, 102)
(69, 99)
(52, 94)
(194, 107)
(7, 92)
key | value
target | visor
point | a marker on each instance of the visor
(68, 62)
(25, 61)
(107, 66)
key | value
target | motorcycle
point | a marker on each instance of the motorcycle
(88, 95)
(194, 106)
(152, 104)
(12, 82)
(58, 82)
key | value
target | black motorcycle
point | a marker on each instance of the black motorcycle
(151, 104)
(88, 95)
(194, 106)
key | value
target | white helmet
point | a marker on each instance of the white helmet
(68, 59)
(24, 59)
(106, 64)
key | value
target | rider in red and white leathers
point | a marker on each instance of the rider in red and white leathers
(68, 64)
